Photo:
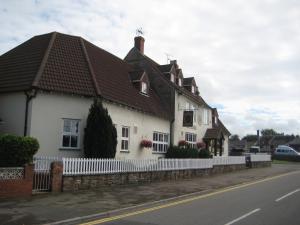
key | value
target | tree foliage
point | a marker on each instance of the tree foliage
(17, 150)
(100, 136)
(234, 137)
(269, 132)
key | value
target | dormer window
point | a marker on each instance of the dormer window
(193, 89)
(179, 82)
(172, 78)
(144, 88)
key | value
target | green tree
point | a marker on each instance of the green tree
(234, 137)
(100, 136)
(269, 132)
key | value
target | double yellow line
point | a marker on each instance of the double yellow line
(108, 219)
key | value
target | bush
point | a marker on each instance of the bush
(176, 152)
(16, 150)
(204, 154)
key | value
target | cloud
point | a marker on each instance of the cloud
(244, 54)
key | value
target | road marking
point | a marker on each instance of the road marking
(288, 194)
(107, 219)
(243, 216)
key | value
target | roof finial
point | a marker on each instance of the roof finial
(169, 57)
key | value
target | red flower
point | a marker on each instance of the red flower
(182, 143)
(146, 144)
(201, 145)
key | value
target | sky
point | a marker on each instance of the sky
(244, 55)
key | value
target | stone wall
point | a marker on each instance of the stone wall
(84, 182)
(261, 164)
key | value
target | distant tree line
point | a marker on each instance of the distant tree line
(263, 132)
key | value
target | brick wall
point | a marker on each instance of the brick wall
(18, 187)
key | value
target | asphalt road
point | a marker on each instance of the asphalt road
(274, 201)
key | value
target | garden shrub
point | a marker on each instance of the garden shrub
(204, 153)
(176, 152)
(17, 150)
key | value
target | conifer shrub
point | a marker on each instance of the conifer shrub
(100, 136)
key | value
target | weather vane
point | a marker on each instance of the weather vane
(139, 31)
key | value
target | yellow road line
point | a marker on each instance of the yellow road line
(104, 220)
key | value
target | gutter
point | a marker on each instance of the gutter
(29, 96)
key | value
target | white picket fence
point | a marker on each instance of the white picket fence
(82, 166)
(231, 160)
(260, 158)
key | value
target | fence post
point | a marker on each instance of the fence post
(56, 176)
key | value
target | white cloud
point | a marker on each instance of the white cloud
(244, 54)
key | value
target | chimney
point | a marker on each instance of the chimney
(139, 43)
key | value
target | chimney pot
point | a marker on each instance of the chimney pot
(139, 43)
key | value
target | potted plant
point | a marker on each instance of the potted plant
(146, 144)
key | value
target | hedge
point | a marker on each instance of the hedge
(204, 154)
(291, 158)
(176, 152)
(16, 150)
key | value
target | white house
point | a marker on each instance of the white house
(48, 83)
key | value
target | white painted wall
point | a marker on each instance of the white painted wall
(12, 112)
(48, 111)
(225, 153)
(199, 128)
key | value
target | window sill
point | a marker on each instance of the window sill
(124, 151)
(69, 149)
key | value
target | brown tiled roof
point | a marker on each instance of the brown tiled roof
(135, 56)
(70, 64)
(188, 81)
(136, 75)
(19, 66)
(165, 68)
(212, 133)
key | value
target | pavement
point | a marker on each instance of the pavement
(50, 208)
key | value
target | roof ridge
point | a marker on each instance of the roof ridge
(98, 92)
(44, 60)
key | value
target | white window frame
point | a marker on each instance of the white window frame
(205, 116)
(191, 138)
(193, 89)
(144, 88)
(160, 142)
(70, 133)
(125, 139)
(172, 78)
(179, 82)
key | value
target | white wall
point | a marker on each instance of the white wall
(48, 111)
(199, 127)
(12, 112)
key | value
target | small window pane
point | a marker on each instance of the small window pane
(74, 141)
(66, 141)
(67, 125)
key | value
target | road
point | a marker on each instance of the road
(274, 201)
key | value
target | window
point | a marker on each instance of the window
(191, 107)
(179, 82)
(193, 89)
(205, 116)
(125, 139)
(191, 139)
(160, 142)
(172, 78)
(144, 88)
(70, 135)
